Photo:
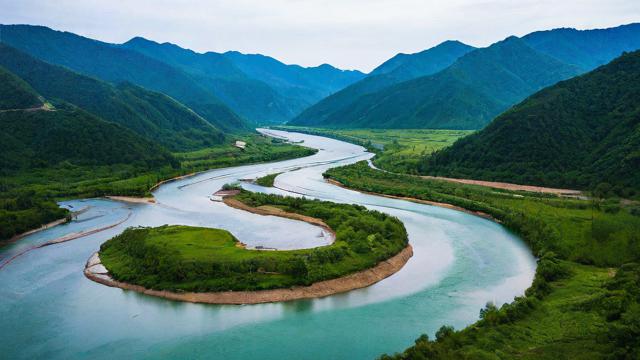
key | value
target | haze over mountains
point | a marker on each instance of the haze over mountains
(477, 86)
(152, 115)
(185, 100)
(211, 84)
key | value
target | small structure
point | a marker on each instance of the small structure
(240, 144)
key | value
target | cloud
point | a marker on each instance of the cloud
(349, 34)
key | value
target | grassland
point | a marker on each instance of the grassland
(574, 309)
(197, 259)
(397, 150)
(27, 198)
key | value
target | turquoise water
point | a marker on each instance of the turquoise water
(50, 310)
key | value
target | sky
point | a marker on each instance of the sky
(349, 34)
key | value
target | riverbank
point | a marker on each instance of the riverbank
(94, 270)
(33, 231)
(273, 211)
(416, 200)
(133, 199)
(510, 186)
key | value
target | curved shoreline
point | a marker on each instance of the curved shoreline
(94, 270)
(272, 211)
(419, 201)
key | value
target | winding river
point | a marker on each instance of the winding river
(50, 310)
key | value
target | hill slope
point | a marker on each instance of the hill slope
(579, 133)
(253, 99)
(35, 138)
(586, 49)
(153, 115)
(116, 64)
(15, 93)
(302, 86)
(410, 66)
(397, 69)
(479, 85)
(466, 95)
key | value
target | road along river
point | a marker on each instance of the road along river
(50, 310)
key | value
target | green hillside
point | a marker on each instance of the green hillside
(400, 68)
(15, 93)
(466, 95)
(253, 99)
(477, 87)
(43, 138)
(580, 133)
(153, 115)
(586, 49)
(116, 64)
(302, 86)
(410, 66)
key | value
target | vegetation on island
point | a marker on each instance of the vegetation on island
(575, 306)
(182, 258)
(267, 181)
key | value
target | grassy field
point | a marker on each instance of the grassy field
(573, 309)
(27, 198)
(200, 259)
(398, 150)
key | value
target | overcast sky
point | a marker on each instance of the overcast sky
(350, 34)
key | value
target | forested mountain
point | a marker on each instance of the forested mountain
(252, 99)
(397, 69)
(466, 95)
(580, 133)
(303, 86)
(153, 115)
(427, 62)
(116, 64)
(478, 86)
(586, 49)
(15, 93)
(34, 138)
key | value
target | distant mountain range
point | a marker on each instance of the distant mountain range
(152, 115)
(396, 70)
(580, 133)
(475, 87)
(232, 91)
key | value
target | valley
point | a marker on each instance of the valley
(166, 195)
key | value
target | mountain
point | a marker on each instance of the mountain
(427, 62)
(46, 136)
(586, 49)
(303, 86)
(466, 95)
(15, 93)
(478, 86)
(578, 133)
(116, 64)
(395, 70)
(252, 99)
(153, 115)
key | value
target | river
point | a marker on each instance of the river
(50, 310)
